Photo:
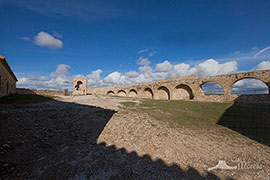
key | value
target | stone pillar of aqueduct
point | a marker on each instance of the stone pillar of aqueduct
(185, 88)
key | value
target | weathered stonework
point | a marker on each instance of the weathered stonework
(186, 88)
(79, 86)
(7, 78)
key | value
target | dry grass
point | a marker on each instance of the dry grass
(249, 119)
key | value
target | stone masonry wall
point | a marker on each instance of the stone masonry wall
(79, 86)
(187, 88)
(7, 82)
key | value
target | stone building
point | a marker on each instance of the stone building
(7, 78)
(79, 86)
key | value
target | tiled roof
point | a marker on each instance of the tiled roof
(4, 61)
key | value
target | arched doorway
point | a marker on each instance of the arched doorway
(78, 85)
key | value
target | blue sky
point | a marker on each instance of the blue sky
(47, 43)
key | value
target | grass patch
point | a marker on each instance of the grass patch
(128, 104)
(249, 119)
(185, 112)
(19, 99)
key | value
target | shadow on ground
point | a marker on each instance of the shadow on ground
(58, 140)
(249, 118)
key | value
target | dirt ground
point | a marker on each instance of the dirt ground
(92, 137)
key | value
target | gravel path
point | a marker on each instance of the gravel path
(94, 138)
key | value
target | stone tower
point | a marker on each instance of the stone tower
(79, 86)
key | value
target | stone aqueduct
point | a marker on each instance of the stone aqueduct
(186, 88)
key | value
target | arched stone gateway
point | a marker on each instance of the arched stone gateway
(110, 93)
(183, 92)
(121, 93)
(163, 93)
(148, 93)
(80, 86)
(249, 86)
(132, 93)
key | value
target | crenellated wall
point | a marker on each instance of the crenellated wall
(186, 88)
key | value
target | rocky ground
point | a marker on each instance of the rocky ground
(93, 137)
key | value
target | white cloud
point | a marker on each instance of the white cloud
(44, 39)
(167, 70)
(253, 54)
(261, 51)
(249, 86)
(211, 67)
(57, 80)
(152, 53)
(43, 78)
(95, 75)
(78, 76)
(114, 78)
(131, 74)
(212, 88)
(142, 51)
(94, 78)
(61, 70)
(264, 65)
(57, 35)
(182, 69)
(164, 67)
(26, 38)
(145, 69)
(143, 61)
(60, 78)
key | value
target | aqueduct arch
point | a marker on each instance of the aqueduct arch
(110, 93)
(163, 93)
(121, 93)
(213, 83)
(132, 93)
(188, 87)
(147, 93)
(251, 80)
(183, 92)
(259, 75)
